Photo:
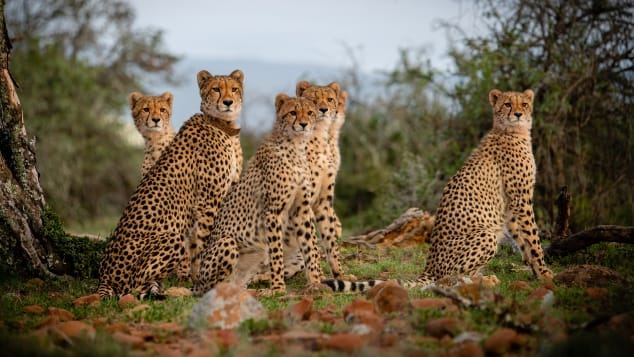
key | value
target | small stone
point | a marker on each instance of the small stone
(444, 326)
(134, 341)
(596, 293)
(35, 282)
(33, 309)
(501, 341)
(358, 305)
(301, 310)
(63, 315)
(178, 291)
(519, 286)
(467, 349)
(76, 330)
(225, 307)
(431, 303)
(390, 298)
(87, 300)
(224, 338)
(346, 342)
(127, 301)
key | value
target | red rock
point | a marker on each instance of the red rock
(224, 338)
(554, 328)
(467, 349)
(325, 315)
(549, 284)
(49, 321)
(444, 326)
(171, 327)
(76, 329)
(87, 300)
(35, 282)
(519, 286)
(63, 315)
(501, 341)
(390, 297)
(127, 301)
(431, 303)
(33, 309)
(134, 341)
(389, 339)
(596, 293)
(357, 306)
(301, 310)
(346, 342)
(538, 295)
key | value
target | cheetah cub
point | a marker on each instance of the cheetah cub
(492, 191)
(152, 116)
(272, 193)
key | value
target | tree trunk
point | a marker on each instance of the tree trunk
(23, 247)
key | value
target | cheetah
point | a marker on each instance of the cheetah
(492, 191)
(293, 261)
(272, 193)
(152, 116)
(178, 197)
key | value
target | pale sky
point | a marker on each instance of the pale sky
(301, 31)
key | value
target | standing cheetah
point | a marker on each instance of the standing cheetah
(178, 197)
(273, 193)
(492, 191)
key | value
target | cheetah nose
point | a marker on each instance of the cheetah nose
(227, 102)
(303, 125)
(156, 120)
(518, 114)
(323, 110)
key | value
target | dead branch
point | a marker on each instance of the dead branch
(584, 239)
(411, 228)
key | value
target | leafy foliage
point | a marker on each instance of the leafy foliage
(75, 62)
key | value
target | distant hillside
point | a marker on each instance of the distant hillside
(263, 81)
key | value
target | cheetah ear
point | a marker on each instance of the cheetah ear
(301, 87)
(237, 75)
(494, 95)
(169, 97)
(530, 94)
(279, 101)
(133, 98)
(343, 96)
(335, 86)
(203, 76)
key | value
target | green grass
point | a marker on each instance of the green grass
(510, 309)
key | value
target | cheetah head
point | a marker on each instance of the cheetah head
(296, 116)
(221, 96)
(151, 113)
(512, 111)
(325, 98)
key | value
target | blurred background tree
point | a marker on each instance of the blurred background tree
(400, 147)
(75, 61)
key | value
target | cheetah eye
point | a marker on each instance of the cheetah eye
(162, 110)
(146, 109)
(216, 89)
(310, 112)
(293, 113)
(330, 99)
(525, 105)
(508, 105)
(234, 89)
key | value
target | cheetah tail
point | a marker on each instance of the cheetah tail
(350, 286)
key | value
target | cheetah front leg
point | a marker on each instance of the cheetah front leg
(327, 223)
(303, 219)
(521, 224)
(274, 227)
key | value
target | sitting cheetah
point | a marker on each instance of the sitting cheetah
(178, 197)
(151, 116)
(293, 261)
(272, 193)
(492, 191)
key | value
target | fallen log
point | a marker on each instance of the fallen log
(584, 239)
